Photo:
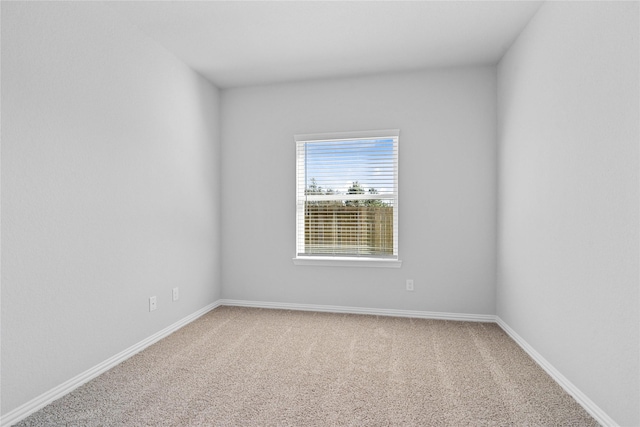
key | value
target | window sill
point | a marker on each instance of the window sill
(347, 262)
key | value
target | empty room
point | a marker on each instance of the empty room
(270, 213)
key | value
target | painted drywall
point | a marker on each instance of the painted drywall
(110, 191)
(568, 197)
(447, 187)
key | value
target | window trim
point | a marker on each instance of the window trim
(347, 261)
(319, 261)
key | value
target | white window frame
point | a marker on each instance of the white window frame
(343, 261)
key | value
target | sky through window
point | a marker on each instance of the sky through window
(334, 166)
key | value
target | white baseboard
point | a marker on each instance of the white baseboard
(363, 310)
(23, 411)
(598, 414)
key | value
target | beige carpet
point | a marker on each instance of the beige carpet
(257, 367)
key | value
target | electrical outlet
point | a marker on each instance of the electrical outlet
(410, 284)
(176, 294)
(153, 304)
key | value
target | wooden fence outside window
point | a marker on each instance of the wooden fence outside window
(333, 228)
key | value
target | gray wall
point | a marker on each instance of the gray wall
(110, 192)
(447, 189)
(568, 197)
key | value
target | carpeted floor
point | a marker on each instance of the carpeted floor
(258, 367)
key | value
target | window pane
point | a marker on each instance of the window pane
(350, 167)
(364, 228)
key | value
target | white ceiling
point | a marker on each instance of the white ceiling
(237, 43)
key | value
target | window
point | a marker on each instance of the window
(347, 199)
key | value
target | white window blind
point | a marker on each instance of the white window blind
(347, 195)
